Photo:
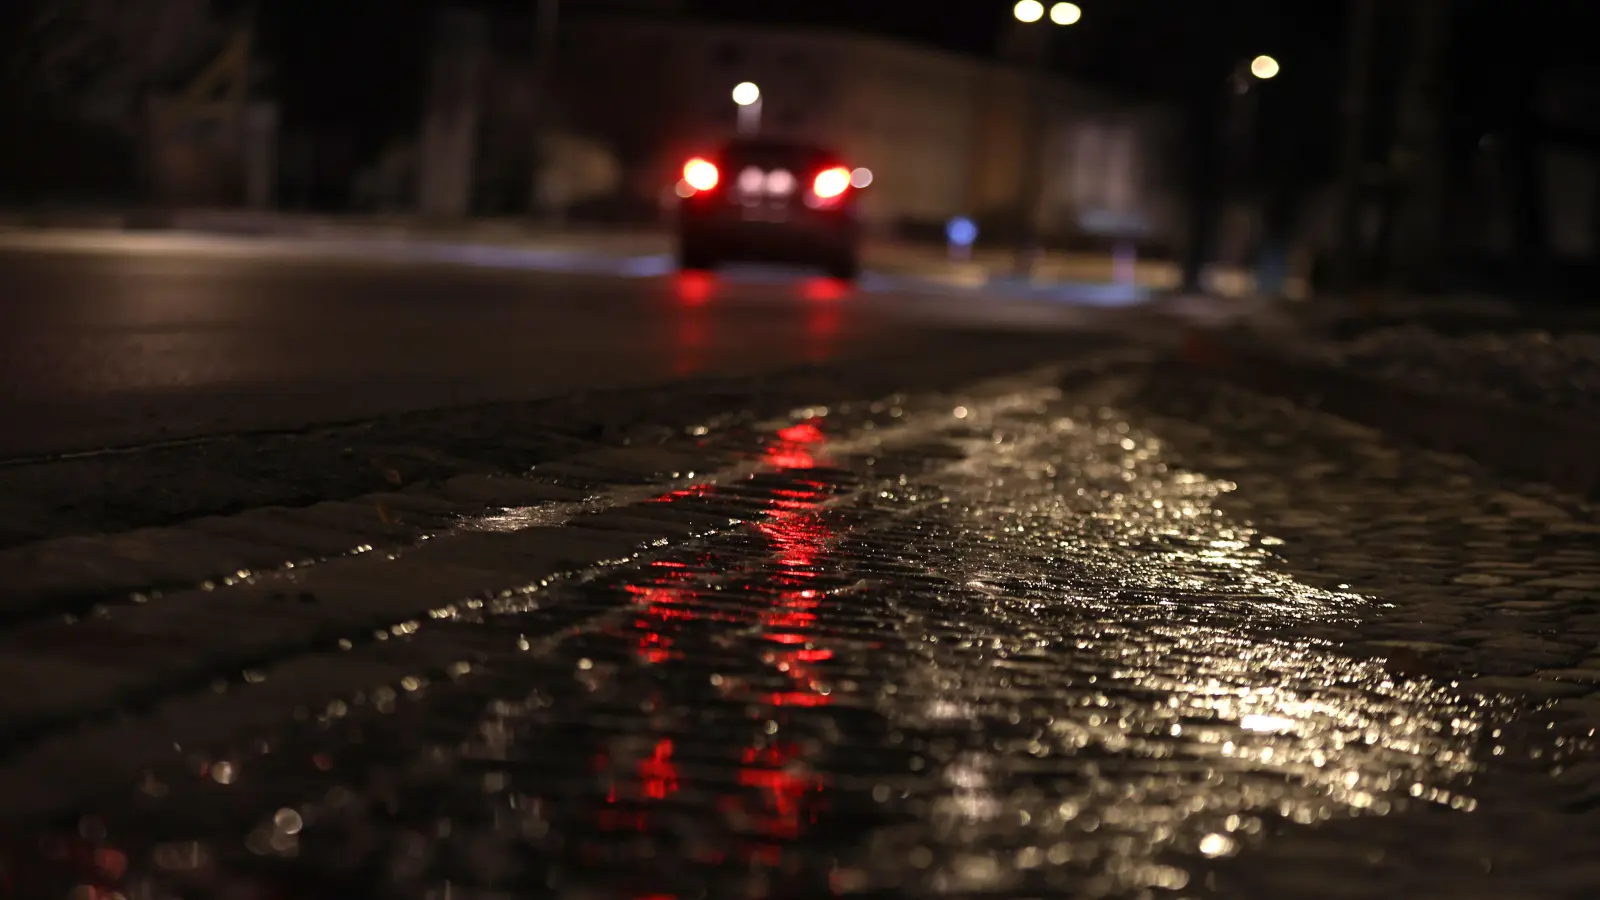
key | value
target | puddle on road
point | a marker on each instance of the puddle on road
(1051, 666)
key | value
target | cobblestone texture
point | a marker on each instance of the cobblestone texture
(1528, 440)
(1110, 632)
(1531, 368)
(153, 486)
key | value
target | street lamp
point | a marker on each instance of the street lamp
(547, 14)
(1240, 107)
(1234, 144)
(1029, 12)
(1066, 13)
(748, 97)
(1260, 191)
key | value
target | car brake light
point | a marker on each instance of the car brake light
(700, 174)
(831, 183)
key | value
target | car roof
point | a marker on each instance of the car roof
(770, 145)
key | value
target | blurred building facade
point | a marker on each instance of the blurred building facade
(212, 143)
(943, 134)
(1465, 155)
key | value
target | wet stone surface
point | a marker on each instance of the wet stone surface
(162, 484)
(1531, 368)
(1134, 638)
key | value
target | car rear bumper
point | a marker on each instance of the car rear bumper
(797, 239)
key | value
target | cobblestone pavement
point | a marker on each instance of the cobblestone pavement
(1533, 369)
(1096, 630)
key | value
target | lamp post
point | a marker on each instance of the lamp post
(1243, 104)
(1031, 12)
(1354, 112)
(748, 97)
(546, 16)
(1263, 194)
(1227, 128)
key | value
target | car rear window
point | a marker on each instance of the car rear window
(790, 155)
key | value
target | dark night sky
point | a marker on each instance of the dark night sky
(354, 61)
(1149, 45)
(1152, 46)
(1143, 43)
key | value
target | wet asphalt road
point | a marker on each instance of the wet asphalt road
(129, 339)
(1098, 628)
(1102, 632)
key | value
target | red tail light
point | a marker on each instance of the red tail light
(831, 183)
(700, 174)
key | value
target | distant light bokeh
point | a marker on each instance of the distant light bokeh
(746, 93)
(1264, 67)
(1066, 13)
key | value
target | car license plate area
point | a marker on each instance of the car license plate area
(764, 213)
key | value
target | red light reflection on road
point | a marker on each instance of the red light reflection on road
(800, 536)
(655, 778)
(824, 290)
(790, 456)
(822, 330)
(822, 317)
(793, 450)
(786, 786)
(779, 794)
(698, 490)
(792, 794)
(658, 773)
(660, 604)
(693, 288)
(804, 433)
(689, 344)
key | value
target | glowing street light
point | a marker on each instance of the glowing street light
(1028, 12)
(748, 97)
(1264, 67)
(1066, 13)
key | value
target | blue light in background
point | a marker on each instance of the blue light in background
(961, 231)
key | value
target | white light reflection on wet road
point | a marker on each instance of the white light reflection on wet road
(1125, 682)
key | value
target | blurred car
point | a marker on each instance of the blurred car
(769, 200)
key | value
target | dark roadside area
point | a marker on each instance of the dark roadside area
(1512, 383)
(162, 483)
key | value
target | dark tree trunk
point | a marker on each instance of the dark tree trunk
(1204, 190)
(1354, 123)
(1529, 206)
